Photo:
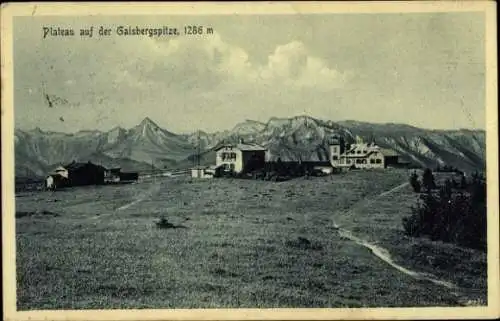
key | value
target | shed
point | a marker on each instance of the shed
(203, 172)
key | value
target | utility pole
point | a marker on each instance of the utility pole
(198, 150)
(153, 171)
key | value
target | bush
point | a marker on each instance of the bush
(447, 169)
(451, 216)
(414, 182)
(428, 180)
(463, 182)
(163, 223)
(304, 244)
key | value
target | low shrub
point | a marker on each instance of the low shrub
(451, 215)
(304, 244)
(415, 183)
(163, 223)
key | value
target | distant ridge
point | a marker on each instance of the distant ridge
(148, 145)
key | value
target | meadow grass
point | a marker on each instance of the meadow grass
(246, 243)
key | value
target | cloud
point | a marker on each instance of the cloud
(288, 61)
(254, 67)
(292, 64)
(210, 62)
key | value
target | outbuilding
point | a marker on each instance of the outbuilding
(54, 181)
(76, 174)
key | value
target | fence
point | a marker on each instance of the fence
(163, 173)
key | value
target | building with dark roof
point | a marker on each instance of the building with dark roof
(78, 174)
(240, 158)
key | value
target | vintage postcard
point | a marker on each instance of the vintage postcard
(250, 161)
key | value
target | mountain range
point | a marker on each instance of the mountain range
(147, 145)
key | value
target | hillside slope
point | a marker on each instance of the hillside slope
(298, 138)
(307, 138)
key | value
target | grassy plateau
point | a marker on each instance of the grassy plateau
(236, 244)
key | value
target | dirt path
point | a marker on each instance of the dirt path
(155, 188)
(384, 255)
(152, 190)
(392, 190)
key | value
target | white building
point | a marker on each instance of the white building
(240, 157)
(201, 172)
(360, 155)
(49, 182)
(61, 171)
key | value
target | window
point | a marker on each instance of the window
(363, 161)
(228, 156)
(335, 157)
(358, 161)
(358, 151)
(334, 149)
(348, 161)
(379, 161)
(372, 161)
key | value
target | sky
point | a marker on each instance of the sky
(422, 69)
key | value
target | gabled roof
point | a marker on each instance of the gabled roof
(60, 168)
(362, 146)
(250, 147)
(59, 171)
(384, 151)
(55, 175)
(366, 149)
(243, 147)
(356, 155)
(369, 148)
(75, 166)
(388, 152)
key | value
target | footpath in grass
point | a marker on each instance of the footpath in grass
(378, 220)
(243, 243)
